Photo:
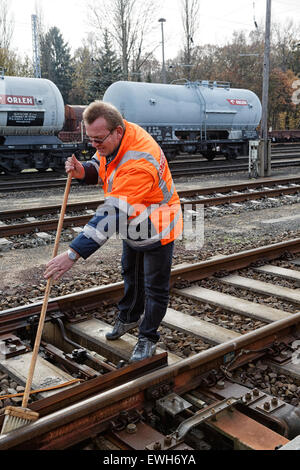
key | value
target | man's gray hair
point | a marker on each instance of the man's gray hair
(105, 110)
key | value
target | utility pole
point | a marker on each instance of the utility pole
(36, 47)
(162, 21)
(265, 93)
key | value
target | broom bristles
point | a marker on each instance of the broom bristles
(16, 418)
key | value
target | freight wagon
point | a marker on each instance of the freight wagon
(204, 117)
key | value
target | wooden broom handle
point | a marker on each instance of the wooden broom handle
(46, 297)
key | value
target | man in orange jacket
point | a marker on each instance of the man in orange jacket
(142, 205)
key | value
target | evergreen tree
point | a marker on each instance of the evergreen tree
(83, 71)
(107, 69)
(56, 61)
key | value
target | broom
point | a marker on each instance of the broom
(17, 417)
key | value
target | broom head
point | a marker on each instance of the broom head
(17, 417)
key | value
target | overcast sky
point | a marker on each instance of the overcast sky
(218, 20)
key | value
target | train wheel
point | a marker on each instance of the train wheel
(231, 156)
(12, 172)
(210, 156)
(7, 166)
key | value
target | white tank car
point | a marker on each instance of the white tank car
(209, 104)
(30, 106)
(204, 116)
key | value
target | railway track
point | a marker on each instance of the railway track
(34, 184)
(179, 169)
(19, 221)
(186, 168)
(178, 399)
(182, 166)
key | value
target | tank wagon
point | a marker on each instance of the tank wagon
(206, 117)
(32, 113)
(285, 136)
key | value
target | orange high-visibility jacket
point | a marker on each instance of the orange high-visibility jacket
(139, 183)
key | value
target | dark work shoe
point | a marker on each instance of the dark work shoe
(120, 329)
(144, 348)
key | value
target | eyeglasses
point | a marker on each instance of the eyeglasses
(100, 141)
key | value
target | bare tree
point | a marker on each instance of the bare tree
(6, 25)
(129, 23)
(285, 40)
(190, 21)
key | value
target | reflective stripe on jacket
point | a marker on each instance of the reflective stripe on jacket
(139, 184)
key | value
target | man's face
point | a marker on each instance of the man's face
(102, 139)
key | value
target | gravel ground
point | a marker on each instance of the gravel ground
(21, 271)
(22, 282)
(261, 375)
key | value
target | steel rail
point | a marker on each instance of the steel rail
(41, 210)
(51, 224)
(90, 299)
(233, 167)
(35, 211)
(96, 385)
(196, 168)
(74, 423)
(33, 184)
(229, 199)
